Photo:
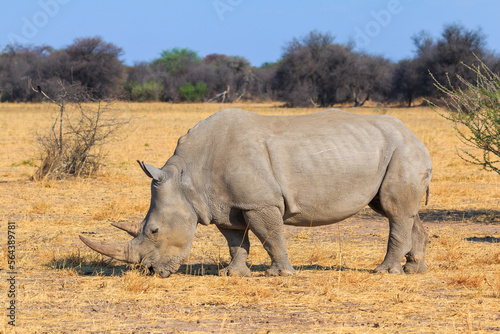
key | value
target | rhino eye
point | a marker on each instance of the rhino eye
(154, 231)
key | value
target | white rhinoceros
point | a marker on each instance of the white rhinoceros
(243, 171)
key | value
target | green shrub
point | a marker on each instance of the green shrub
(477, 107)
(134, 90)
(148, 91)
(178, 61)
(192, 93)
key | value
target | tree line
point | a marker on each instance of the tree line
(313, 71)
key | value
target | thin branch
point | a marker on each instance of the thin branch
(477, 107)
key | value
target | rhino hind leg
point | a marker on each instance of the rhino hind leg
(415, 259)
(267, 225)
(399, 244)
(239, 247)
(399, 199)
(399, 237)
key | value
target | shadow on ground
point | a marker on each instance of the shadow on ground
(489, 239)
(112, 268)
(475, 216)
(84, 267)
(203, 269)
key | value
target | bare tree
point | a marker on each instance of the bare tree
(95, 64)
(91, 62)
(443, 57)
(315, 71)
(82, 125)
(404, 84)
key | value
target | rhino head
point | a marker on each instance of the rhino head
(164, 238)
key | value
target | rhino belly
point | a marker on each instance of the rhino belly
(324, 182)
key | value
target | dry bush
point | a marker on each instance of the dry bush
(83, 124)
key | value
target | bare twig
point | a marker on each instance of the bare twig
(39, 90)
(315, 105)
(221, 96)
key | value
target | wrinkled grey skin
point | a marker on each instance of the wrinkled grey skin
(243, 171)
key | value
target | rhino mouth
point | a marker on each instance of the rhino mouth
(163, 273)
(163, 270)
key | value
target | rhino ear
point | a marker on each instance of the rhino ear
(153, 172)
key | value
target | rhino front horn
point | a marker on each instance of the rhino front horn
(117, 251)
(131, 228)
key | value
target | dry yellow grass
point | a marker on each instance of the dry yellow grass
(64, 287)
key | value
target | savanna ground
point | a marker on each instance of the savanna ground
(63, 287)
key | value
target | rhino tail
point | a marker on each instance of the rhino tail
(427, 194)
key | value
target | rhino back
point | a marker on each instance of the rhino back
(317, 168)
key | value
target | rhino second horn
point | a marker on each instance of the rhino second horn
(118, 251)
(130, 228)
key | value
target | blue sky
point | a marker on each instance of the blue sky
(254, 29)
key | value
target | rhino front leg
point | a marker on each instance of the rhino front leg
(267, 225)
(239, 247)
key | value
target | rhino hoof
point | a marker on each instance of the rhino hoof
(415, 268)
(234, 271)
(383, 268)
(280, 271)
